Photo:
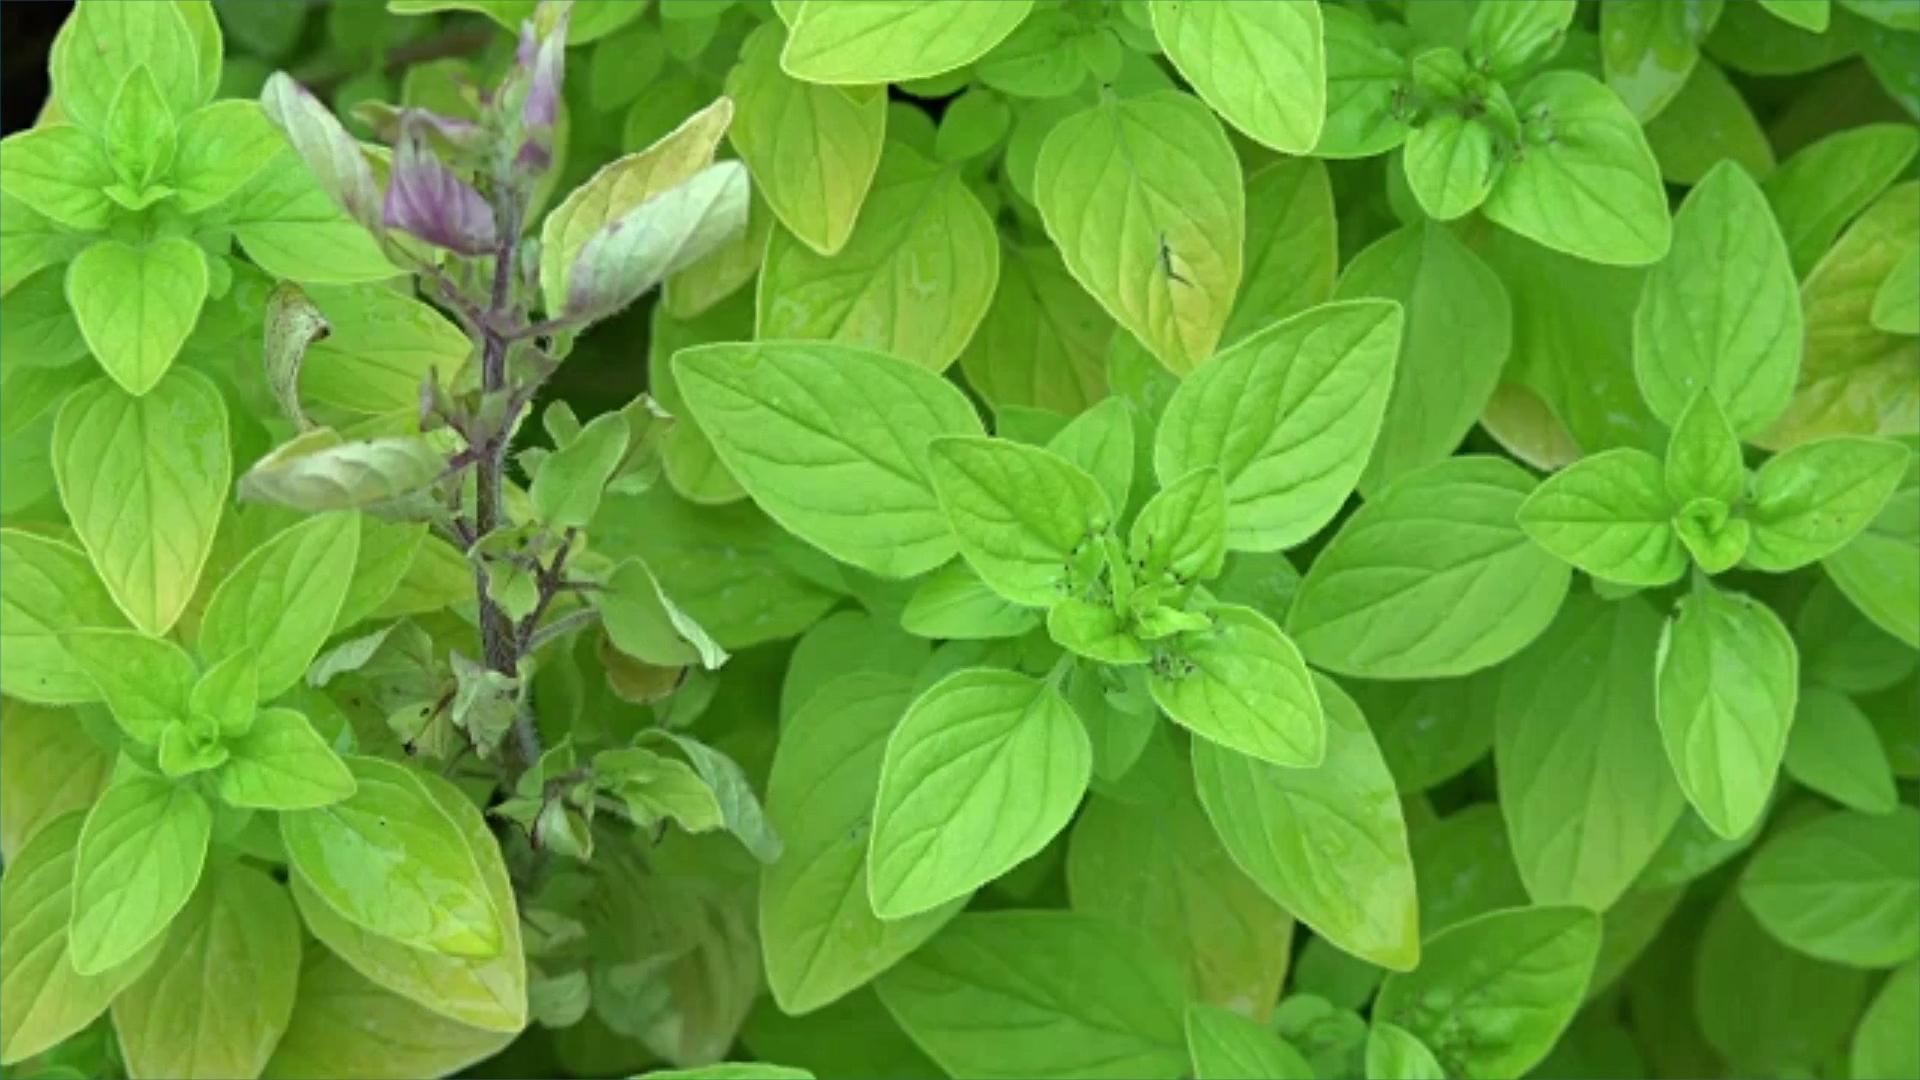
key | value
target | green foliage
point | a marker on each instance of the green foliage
(1034, 538)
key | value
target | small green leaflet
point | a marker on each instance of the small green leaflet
(390, 860)
(1811, 500)
(820, 939)
(912, 280)
(1044, 994)
(1493, 994)
(1228, 1046)
(1287, 415)
(983, 769)
(1328, 843)
(1394, 1053)
(140, 854)
(566, 488)
(1610, 515)
(1703, 456)
(1586, 184)
(1844, 887)
(1726, 677)
(1366, 79)
(1720, 313)
(1464, 590)
(281, 763)
(143, 480)
(879, 41)
(954, 604)
(1510, 36)
(1260, 65)
(819, 435)
(1181, 532)
(1023, 517)
(1143, 197)
(147, 682)
(1242, 684)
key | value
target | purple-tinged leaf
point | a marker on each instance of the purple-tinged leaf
(426, 199)
(635, 251)
(330, 153)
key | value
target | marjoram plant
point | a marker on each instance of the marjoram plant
(1062, 539)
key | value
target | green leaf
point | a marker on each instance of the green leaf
(1043, 342)
(1287, 415)
(644, 623)
(136, 305)
(282, 763)
(1227, 1046)
(1844, 650)
(1806, 14)
(1855, 379)
(383, 346)
(1648, 49)
(1022, 517)
(1833, 750)
(1394, 1053)
(731, 1070)
(1452, 161)
(1805, 1015)
(821, 940)
(883, 41)
(825, 436)
(280, 603)
(1367, 80)
(1430, 731)
(489, 993)
(1143, 197)
(140, 136)
(567, 486)
(1708, 122)
(1509, 36)
(1703, 456)
(221, 147)
(1182, 530)
(1610, 515)
(812, 149)
(1456, 338)
(1885, 1043)
(1493, 994)
(1584, 783)
(1157, 867)
(621, 188)
(1895, 309)
(391, 860)
(1102, 442)
(1808, 502)
(49, 765)
(1328, 842)
(318, 471)
(141, 852)
(1430, 578)
(1045, 994)
(1726, 677)
(1586, 182)
(147, 682)
(1292, 249)
(47, 588)
(102, 42)
(142, 480)
(393, 1037)
(1261, 66)
(217, 998)
(336, 164)
(1823, 186)
(1719, 314)
(1844, 887)
(740, 811)
(288, 225)
(913, 279)
(45, 1000)
(59, 171)
(1095, 631)
(982, 771)
(953, 603)
(1242, 685)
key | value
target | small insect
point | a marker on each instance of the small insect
(1166, 262)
